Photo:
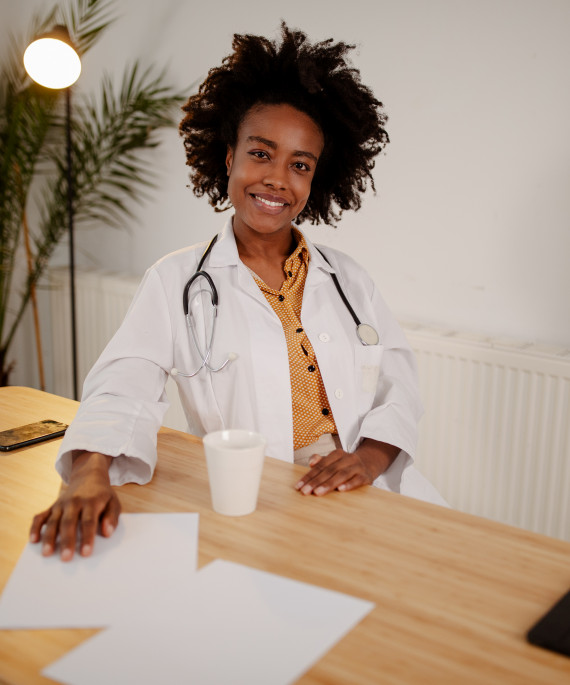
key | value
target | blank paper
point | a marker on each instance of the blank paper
(146, 554)
(229, 624)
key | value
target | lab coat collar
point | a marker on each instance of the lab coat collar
(225, 252)
(317, 258)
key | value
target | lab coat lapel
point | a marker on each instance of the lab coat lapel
(331, 332)
(225, 254)
(269, 371)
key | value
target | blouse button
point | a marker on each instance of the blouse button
(325, 412)
(310, 368)
(324, 337)
(338, 394)
(290, 274)
(299, 330)
(281, 298)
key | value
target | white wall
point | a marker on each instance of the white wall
(470, 228)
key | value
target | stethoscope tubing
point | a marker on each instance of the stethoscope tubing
(365, 332)
(204, 274)
(340, 290)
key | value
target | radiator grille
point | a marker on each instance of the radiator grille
(495, 438)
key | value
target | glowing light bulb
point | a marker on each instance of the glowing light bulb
(52, 63)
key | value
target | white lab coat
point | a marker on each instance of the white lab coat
(372, 390)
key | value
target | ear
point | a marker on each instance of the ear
(229, 159)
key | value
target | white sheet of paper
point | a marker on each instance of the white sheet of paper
(147, 553)
(231, 624)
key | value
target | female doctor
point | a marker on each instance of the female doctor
(263, 330)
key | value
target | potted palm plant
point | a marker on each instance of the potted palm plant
(110, 132)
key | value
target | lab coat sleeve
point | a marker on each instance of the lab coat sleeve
(386, 391)
(384, 379)
(397, 408)
(124, 400)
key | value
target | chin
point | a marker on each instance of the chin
(269, 224)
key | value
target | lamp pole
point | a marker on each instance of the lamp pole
(70, 216)
(52, 61)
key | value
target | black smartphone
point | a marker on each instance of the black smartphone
(22, 436)
(553, 630)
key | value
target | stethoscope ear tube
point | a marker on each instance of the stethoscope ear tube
(213, 294)
(205, 275)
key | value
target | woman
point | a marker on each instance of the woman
(282, 133)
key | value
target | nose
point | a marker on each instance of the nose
(276, 177)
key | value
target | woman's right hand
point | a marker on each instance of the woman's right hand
(89, 500)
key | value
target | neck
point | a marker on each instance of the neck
(267, 246)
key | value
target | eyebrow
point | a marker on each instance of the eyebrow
(273, 145)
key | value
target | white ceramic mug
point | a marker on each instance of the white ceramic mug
(235, 462)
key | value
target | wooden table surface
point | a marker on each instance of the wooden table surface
(454, 593)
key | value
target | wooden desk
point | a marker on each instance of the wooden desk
(454, 593)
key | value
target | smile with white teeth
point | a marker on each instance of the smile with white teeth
(268, 202)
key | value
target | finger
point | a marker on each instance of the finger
(68, 531)
(37, 524)
(110, 517)
(324, 470)
(356, 481)
(336, 474)
(318, 466)
(88, 527)
(335, 481)
(49, 534)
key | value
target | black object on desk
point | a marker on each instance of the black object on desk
(30, 434)
(553, 629)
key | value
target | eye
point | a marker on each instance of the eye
(301, 166)
(259, 154)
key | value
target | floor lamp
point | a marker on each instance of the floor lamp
(51, 61)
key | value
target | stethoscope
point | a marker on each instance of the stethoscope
(364, 332)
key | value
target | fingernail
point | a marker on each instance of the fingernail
(109, 529)
(299, 485)
(320, 490)
(66, 554)
(34, 537)
(86, 550)
(47, 550)
(306, 490)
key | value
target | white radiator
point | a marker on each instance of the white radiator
(495, 438)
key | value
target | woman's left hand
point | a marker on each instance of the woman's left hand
(343, 471)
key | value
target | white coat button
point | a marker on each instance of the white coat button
(338, 393)
(324, 337)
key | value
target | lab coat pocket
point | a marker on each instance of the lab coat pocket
(367, 360)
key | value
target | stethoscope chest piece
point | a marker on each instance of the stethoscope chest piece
(367, 334)
(364, 331)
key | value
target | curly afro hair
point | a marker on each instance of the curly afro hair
(314, 78)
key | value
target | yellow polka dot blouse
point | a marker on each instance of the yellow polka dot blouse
(312, 415)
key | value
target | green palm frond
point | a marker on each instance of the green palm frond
(86, 20)
(111, 134)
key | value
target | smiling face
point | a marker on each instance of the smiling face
(271, 168)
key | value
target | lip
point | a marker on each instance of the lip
(261, 199)
(270, 198)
